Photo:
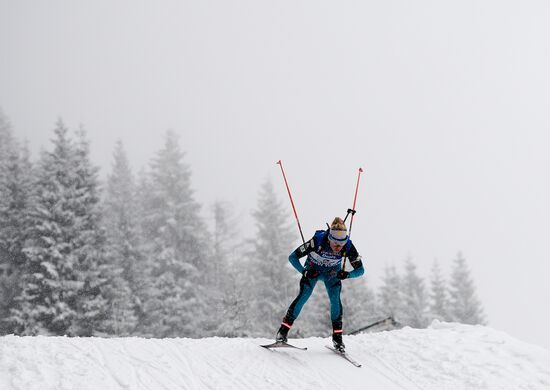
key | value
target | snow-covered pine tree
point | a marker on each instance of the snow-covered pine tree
(145, 279)
(91, 304)
(46, 305)
(9, 156)
(464, 304)
(415, 298)
(223, 239)
(233, 314)
(271, 275)
(15, 189)
(61, 285)
(122, 247)
(228, 319)
(15, 223)
(8, 279)
(176, 247)
(390, 296)
(439, 300)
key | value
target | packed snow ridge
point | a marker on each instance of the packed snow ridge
(444, 356)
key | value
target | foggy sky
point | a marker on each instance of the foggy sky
(443, 103)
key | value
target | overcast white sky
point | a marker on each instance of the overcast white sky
(445, 104)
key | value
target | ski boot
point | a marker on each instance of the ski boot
(338, 343)
(282, 334)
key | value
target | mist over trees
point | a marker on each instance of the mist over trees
(135, 254)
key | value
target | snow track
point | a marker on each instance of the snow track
(446, 356)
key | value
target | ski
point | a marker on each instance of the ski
(282, 344)
(345, 356)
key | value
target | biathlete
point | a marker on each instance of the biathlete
(324, 252)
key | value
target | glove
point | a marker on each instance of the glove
(342, 275)
(310, 273)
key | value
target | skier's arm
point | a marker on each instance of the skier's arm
(301, 251)
(356, 263)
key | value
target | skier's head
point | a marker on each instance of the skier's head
(337, 235)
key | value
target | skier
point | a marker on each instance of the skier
(324, 262)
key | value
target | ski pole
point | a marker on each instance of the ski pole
(352, 212)
(355, 199)
(291, 201)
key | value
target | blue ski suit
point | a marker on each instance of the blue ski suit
(321, 258)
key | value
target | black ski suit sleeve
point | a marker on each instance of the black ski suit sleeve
(301, 251)
(356, 263)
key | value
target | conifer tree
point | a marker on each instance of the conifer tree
(176, 247)
(464, 304)
(272, 275)
(93, 270)
(223, 243)
(415, 300)
(61, 282)
(233, 307)
(390, 295)
(439, 300)
(229, 292)
(216, 268)
(15, 189)
(122, 247)
(9, 196)
(46, 303)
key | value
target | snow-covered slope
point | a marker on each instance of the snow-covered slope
(446, 356)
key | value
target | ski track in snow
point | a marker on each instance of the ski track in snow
(443, 357)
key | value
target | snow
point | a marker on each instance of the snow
(444, 356)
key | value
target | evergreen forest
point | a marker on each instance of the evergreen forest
(131, 254)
